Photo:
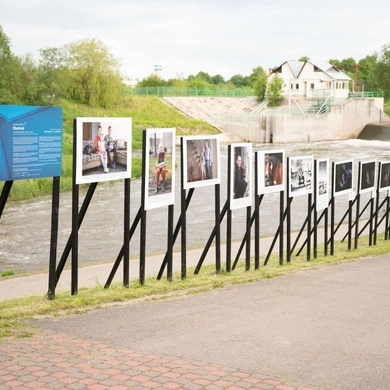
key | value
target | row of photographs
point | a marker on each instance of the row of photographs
(104, 153)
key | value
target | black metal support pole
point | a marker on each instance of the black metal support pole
(75, 219)
(217, 230)
(309, 208)
(377, 205)
(175, 234)
(315, 235)
(357, 221)
(170, 242)
(371, 221)
(387, 217)
(326, 233)
(248, 239)
(142, 248)
(126, 235)
(68, 246)
(229, 216)
(288, 232)
(281, 223)
(120, 255)
(257, 216)
(183, 217)
(349, 233)
(353, 223)
(55, 205)
(4, 195)
(332, 217)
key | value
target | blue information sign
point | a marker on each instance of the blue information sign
(30, 142)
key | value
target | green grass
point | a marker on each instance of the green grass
(145, 111)
(8, 272)
(15, 312)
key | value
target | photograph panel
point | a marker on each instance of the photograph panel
(322, 184)
(384, 178)
(343, 176)
(270, 169)
(201, 161)
(367, 176)
(241, 185)
(159, 167)
(103, 149)
(300, 175)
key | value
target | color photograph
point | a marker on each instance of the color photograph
(384, 179)
(201, 161)
(322, 184)
(103, 149)
(343, 175)
(270, 170)
(159, 167)
(241, 186)
(367, 176)
(301, 175)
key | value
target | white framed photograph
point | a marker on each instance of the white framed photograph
(322, 184)
(241, 183)
(103, 149)
(343, 177)
(367, 176)
(300, 175)
(159, 167)
(270, 169)
(201, 161)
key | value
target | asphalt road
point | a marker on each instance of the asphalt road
(328, 327)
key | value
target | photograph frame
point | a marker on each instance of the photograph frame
(300, 171)
(322, 183)
(197, 172)
(384, 176)
(343, 186)
(270, 171)
(89, 162)
(368, 172)
(162, 193)
(239, 175)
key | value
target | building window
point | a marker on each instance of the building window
(292, 86)
(296, 86)
(316, 69)
(312, 86)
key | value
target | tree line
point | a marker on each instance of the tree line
(87, 72)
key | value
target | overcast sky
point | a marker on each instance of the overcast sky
(187, 36)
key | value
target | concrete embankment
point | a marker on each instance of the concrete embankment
(375, 132)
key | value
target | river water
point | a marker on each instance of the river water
(25, 225)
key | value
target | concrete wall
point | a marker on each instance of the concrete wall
(343, 122)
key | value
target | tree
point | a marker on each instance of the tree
(274, 90)
(383, 70)
(30, 89)
(238, 80)
(260, 87)
(204, 76)
(367, 73)
(153, 80)
(304, 59)
(217, 80)
(52, 73)
(93, 72)
(10, 80)
(256, 73)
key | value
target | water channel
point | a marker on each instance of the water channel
(25, 225)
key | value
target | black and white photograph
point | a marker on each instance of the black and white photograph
(301, 175)
(322, 183)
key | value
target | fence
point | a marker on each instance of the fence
(193, 91)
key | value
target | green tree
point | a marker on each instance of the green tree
(239, 81)
(367, 73)
(10, 75)
(198, 82)
(383, 70)
(30, 89)
(217, 80)
(260, 86)
(274, 90)
(256, 73)
(93, 72)
(153, 80)
(304, 59)
(52, 73)
(205, 76)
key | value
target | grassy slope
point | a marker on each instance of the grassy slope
(145, 111)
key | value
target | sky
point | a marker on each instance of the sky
(188, 36)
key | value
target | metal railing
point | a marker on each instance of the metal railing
(193, 91)
(366, 94)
